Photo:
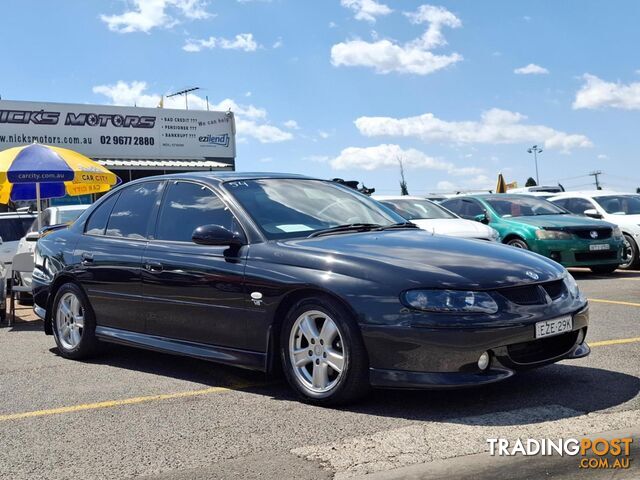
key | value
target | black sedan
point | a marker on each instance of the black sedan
(267, 270)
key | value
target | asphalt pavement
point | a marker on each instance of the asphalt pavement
(133, 413)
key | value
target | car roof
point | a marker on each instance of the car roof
(232, 176)
(592, 193)
(63, 208)
(399, 197)
(494, 196)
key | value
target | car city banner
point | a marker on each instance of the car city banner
(101, 131)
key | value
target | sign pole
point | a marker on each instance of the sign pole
(38, 205)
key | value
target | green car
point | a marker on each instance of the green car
(538, 225)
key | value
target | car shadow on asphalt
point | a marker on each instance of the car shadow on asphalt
(556, 391)
(585, 274)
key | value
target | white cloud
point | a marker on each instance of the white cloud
(531, 69)
(324, 135)
(292, 124)
(278, 43)
(479, 182)
(145, 15)
(602, 156)
(414, 57)
(242, 41)
(598, 93)
(495, 127)
(251, 121)
(366, 10)
(388, 155)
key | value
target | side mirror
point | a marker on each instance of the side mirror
(482, 218)
(32, 236)
(592, 212)
(216, 235)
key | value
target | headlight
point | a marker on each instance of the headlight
(449, 301)
(552, 235)
(572, 285)
(617, 233)
(494, 235)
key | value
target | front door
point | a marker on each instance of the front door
(110, 254)
(194, 292)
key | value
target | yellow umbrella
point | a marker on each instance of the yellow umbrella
(501, 186)
(35, 172)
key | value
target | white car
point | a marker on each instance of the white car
(51, 216)
(437, 219)
(621, 209)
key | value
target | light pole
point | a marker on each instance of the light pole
(535, 150)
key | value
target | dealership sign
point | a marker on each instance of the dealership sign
(101, 131)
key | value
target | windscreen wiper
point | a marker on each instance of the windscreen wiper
(346, 228)
(398, 225)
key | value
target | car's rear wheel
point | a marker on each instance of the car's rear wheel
(604, 269)
(322, 352)
(74, 324)
(631, 253)
(518, 243)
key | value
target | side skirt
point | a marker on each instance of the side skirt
(228, 356)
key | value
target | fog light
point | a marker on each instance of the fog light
(580, 336)
(483, 361)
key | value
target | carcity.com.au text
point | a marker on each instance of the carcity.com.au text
(595, 453)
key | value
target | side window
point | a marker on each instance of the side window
(12, 229)
(132, 212)
(187, 206)
(453, 205)
(470, 209)
(579, 205)
(97, 223)
(562, 202)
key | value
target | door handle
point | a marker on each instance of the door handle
(153, 267)
(87, 258)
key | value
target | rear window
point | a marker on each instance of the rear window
(13, 229)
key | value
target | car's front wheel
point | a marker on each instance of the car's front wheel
(518, 243)
(323, 356)
(74, 324)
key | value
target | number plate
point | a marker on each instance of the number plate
(599, 246)
(556, 326)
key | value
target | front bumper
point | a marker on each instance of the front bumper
(410, 357)
(577, 252)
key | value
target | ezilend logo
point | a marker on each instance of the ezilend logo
(215, 140)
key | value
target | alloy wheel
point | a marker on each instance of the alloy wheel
(317, 352)
(70, 321)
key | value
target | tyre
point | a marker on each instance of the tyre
(74, 323)
(323, 356)
(604, 269)
(518, 243)
(631, 250)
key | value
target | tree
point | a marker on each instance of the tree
(530, 182)
(403, 183)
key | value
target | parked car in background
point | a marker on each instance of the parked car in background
(621, 209)
(50, 216)
(256, 270)
(13, 226)
(436, 219)
(535, 224)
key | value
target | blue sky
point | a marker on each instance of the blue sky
(343, 88)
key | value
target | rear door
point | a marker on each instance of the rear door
(194, 292)
(110, 253)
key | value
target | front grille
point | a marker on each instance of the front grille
(595, 256)
(603, 232)
(542, 349)
(554, 289)
(534, 294)
(527, 295)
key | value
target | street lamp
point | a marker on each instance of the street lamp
(535, 150)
